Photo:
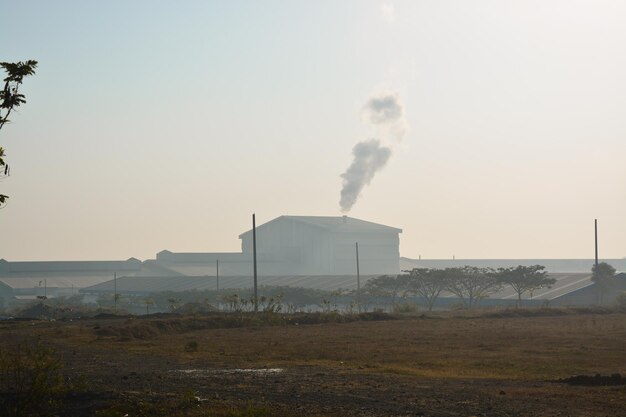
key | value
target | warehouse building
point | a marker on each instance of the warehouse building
(299, 245)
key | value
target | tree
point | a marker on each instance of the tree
(10, 98)
(387, 286)
(471, 283)
(603, 276)
(524, 279)
(428, 283)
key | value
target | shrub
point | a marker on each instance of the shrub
(405, 308)
(31, 381)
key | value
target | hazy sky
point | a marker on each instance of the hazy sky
(157, 125)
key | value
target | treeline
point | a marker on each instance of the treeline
(271, 299)
(469, 284)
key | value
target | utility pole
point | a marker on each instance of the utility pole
(217, 281)
(115, 291)
(596, 271)
(358, 280)
(596, 235)
(256, 291)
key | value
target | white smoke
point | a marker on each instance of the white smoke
(388, 12)
(369, 157)
(385, 111)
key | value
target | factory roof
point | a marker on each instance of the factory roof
(341, 224)
(565, 283)
(9, 268)
(64, 273)
(146, 285)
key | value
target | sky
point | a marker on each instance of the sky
(156, 125)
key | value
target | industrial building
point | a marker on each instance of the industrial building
(299, 251)
(299, 245)
(58, 278)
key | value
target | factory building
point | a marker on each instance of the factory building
(315, 245)
(300, 245)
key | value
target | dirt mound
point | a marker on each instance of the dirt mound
(544, 312)
(36, 311)
(595, 380)
(103, 316)
(152, 327)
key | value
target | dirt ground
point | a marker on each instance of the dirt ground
(438, 365)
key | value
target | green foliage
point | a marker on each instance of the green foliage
(471, 284)
(604, 278)
(10, 98)
(270, 304)
(328, 302)
(387, 286)
(428, 283)
(524, 279)
(31, 379)
(275, 299)
(407, 307)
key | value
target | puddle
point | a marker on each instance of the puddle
(251, 371)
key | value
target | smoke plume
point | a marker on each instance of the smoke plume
(369, 157)
(384, 111)
(384, 107)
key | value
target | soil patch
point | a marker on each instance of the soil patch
(595, 380)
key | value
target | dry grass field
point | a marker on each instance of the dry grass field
(503, 364)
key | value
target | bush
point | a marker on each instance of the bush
(31, 381)
(405, 308)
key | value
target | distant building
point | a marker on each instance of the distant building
(590, 294)
(54, 278)
(300, 245)
(307, 245)
(6, 294)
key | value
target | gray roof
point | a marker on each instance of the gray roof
(145, 285)
(8, 268)
(64, 274)
(198, 257)
(565, 283)
(552, 265)
(338, 224)
(54, 281)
